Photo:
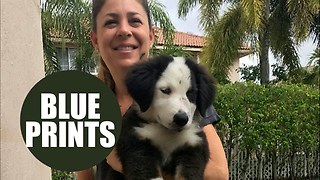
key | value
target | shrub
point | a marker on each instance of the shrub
(272, 119)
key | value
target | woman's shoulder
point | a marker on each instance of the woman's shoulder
(211, 117)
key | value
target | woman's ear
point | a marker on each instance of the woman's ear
(151, 36)
(94, 40)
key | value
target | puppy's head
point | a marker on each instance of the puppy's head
(170, 90)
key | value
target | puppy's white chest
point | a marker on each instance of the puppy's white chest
(168, 140)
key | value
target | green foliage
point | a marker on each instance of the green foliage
(221, 79)
(161, 19)
(280, 72)
(169, 47)
(313, 76)
(61, 175)
(222, 43)
(305, 75)
(250, 73)
(67, 20)
(315, 29)
(281, 42)
(174, 50)
(279, 25)
(276, 118)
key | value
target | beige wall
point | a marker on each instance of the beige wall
(234, 74)
(21, 67)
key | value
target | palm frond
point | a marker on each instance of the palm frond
(69, 20)
(302, 13)
(253, 11)
(281, 42)
(160, 18)
(209, 14)
(315, 29)
(315, 58)
(185, 6)
(223, 43)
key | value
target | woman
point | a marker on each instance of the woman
(123, 35)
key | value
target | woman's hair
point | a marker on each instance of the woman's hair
(104, 73)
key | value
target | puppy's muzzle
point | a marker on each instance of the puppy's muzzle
(180, 118)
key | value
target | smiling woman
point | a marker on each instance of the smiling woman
(123, 35)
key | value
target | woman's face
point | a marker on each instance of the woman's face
(123, 36)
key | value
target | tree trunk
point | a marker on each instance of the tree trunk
(293, 162)
(260, 166)
(264, 49)
(274, 165)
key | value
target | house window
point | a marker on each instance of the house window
(66, 58)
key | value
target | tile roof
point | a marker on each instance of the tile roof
(181, 38)
(186, 39)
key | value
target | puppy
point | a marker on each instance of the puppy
(160, 131)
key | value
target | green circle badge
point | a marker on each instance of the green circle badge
(70, 120)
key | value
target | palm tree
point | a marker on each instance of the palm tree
(314, 76)
(71, 21)
(315, 29)
(67, 20)
(160, 18)
(279, 25)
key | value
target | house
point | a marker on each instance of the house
(191, 43)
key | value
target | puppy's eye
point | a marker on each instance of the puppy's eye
(165, 90)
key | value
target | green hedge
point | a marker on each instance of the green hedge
(272, 119)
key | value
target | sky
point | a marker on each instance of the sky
(191, 25)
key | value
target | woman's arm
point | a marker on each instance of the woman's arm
(217, 167)
(114, 161)
(86, 174)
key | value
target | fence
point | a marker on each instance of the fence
(248, 166)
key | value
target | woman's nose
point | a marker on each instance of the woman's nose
(124, 30)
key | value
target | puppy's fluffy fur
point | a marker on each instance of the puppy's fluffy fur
(160, 131)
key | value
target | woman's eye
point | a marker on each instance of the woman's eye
(135, 21)
(165, 91)
(110, 22)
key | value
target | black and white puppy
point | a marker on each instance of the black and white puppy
(160, 131)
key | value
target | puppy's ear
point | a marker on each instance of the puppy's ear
(142, 78)
(205, 85)
(140, 85)
(206, 92)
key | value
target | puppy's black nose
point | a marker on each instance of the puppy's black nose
(181, 118)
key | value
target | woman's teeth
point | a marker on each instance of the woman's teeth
(125, 48)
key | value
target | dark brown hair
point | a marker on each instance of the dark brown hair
(98, 4)
(104, 72)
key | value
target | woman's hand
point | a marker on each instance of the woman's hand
(114, 161)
